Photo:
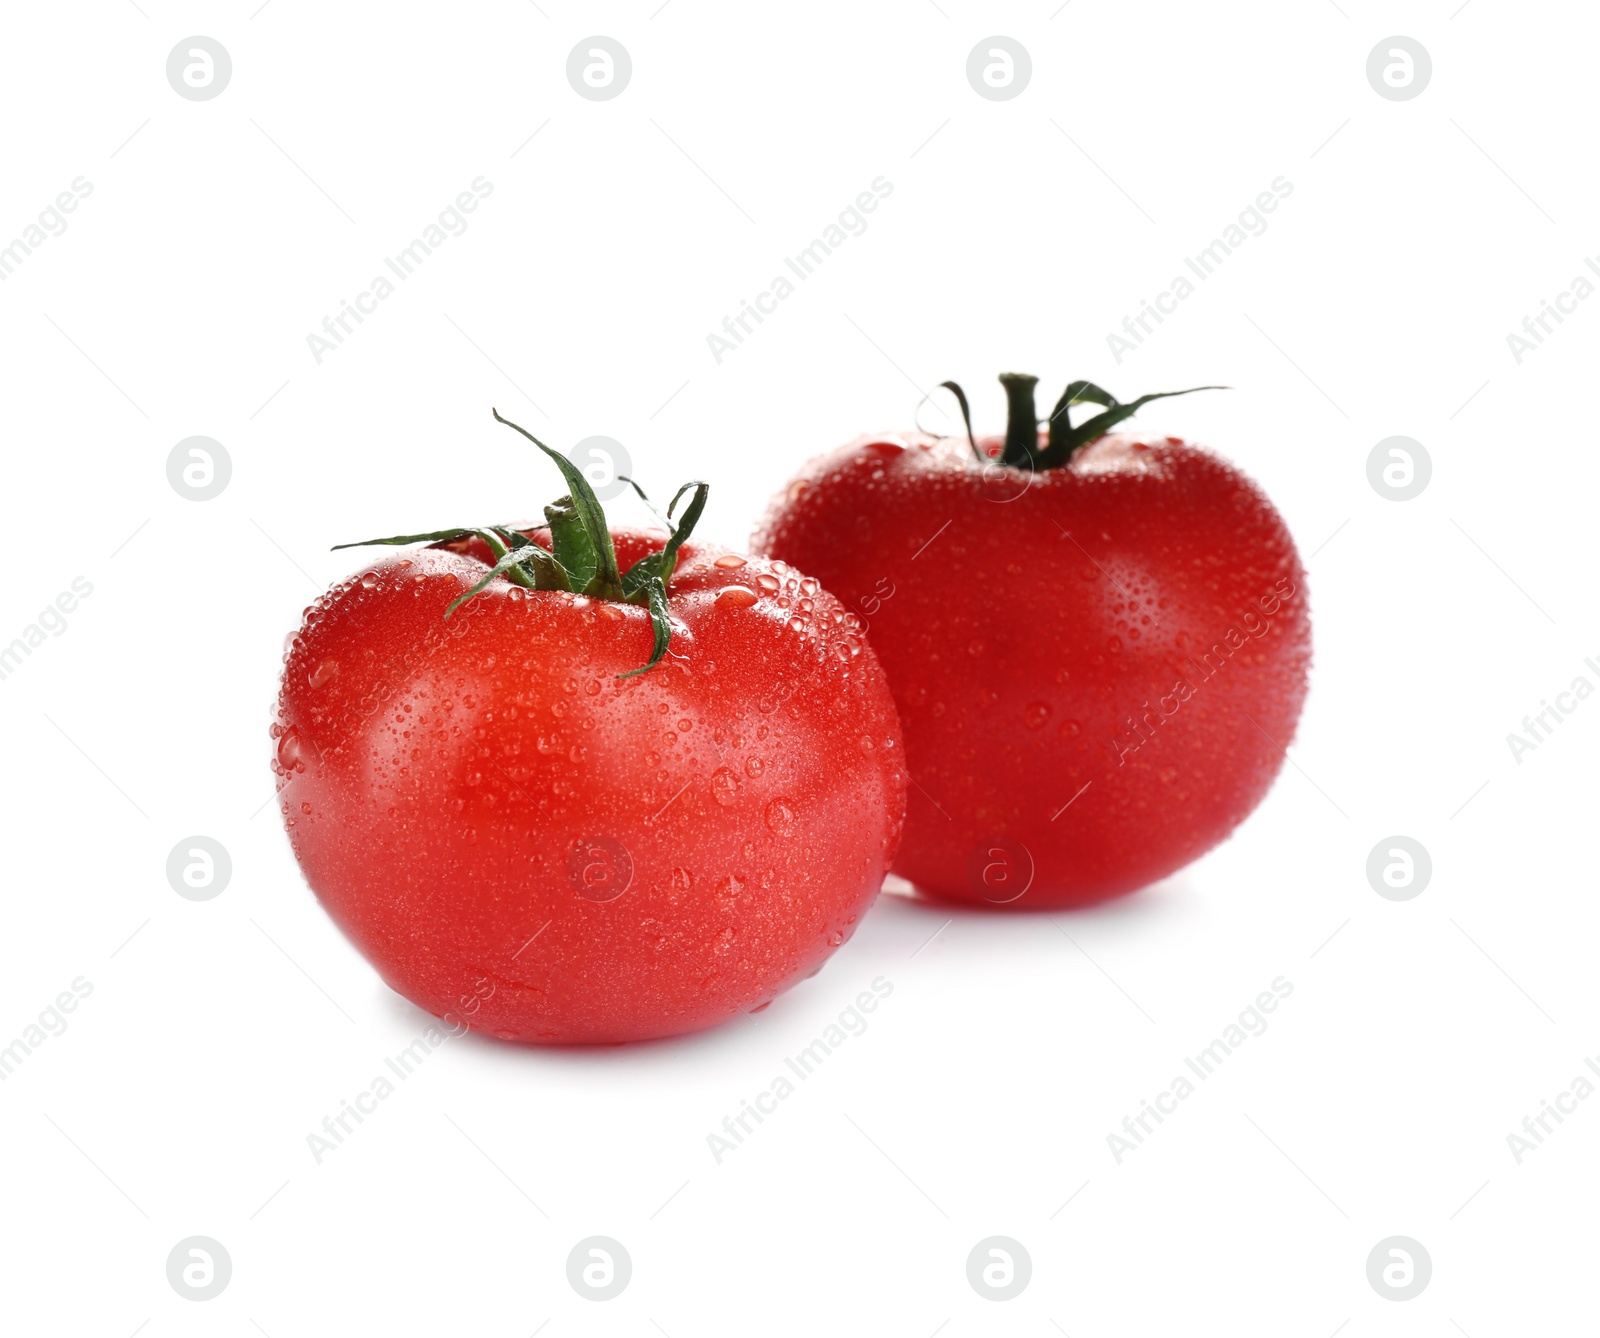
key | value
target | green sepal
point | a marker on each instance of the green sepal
(548, 574)
(587, 506)
(434, 537)
(1064, 439)
(655, 592)
(510, 537)
(664, 563)
(966, 415)
(574, 548)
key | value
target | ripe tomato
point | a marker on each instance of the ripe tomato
(1098, 644)
(521, 831)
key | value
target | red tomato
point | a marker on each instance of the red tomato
(1098, 662)
(523, 837)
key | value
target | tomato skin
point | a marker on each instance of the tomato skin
(1059, 630)
(467, 797)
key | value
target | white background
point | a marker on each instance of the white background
(1018, 235)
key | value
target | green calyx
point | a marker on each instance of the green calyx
(1062, 438)
(581, 559)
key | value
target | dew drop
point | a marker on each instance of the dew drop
(724, 786)
(728, 561)
(737, 597)
(1036, 714)
(780, 817)
(289, 749)
(323, 672)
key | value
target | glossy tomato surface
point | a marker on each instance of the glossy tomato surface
(520, 840)
(1097, 667)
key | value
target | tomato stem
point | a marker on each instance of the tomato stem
(1022, 419)
(582, 560)
(1021, 448)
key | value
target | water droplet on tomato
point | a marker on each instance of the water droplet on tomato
(1036, 714)
(323, 672)
(737, 597)
(754, 767)
(728, 561)
(768, 582)
(369, 580)
(289, 749)
(724, 786)
(780, 817)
